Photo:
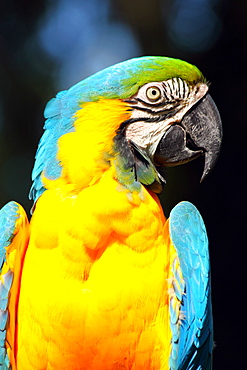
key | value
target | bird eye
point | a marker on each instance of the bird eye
(153, 93)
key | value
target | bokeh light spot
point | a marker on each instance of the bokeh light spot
(193, 25)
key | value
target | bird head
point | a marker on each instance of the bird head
(137, 116)
(173, 121)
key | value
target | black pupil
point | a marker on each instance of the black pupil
(154, 92)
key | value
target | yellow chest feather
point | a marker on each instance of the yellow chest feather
(93, 280)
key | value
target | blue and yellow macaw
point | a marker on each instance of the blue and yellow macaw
(100, 279)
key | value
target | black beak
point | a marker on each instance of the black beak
(198, 133)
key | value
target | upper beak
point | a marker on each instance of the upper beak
(199, 132)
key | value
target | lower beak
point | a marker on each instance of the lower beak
(198, 133)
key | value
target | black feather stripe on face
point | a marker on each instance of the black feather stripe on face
(132, 165)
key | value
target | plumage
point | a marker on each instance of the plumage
(101, 280)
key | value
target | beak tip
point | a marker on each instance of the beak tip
(204, 175)
(210, 161)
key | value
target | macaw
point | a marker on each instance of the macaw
(100, 279)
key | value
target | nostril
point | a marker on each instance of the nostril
(191, 145)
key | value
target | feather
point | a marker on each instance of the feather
(189, 237)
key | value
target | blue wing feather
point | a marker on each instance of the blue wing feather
(12, 221)
(57, 123)
(8, 217)
(193, 348)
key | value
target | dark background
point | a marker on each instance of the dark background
(47, 46)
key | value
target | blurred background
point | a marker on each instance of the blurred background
(47, 46)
